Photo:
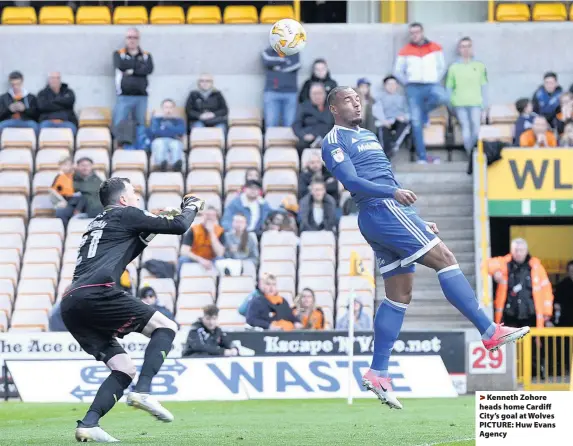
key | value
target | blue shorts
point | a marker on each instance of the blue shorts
(398, 236)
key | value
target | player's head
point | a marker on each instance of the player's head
(210, 317)
(344, 104)
(117, 191)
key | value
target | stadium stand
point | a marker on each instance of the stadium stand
(167, 15)
(513, 12)
(204, 15)
(19, 15)
(237, 15)
(56, 15)
(130, 15)
(93, 15)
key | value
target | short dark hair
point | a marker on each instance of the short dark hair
(84, 158)
(111, 189)
(550, 74)
(521, 104)
(416, 25)
(331, 99)
(167, 100)
(389, 77)
(15, 75)
(465, 39)
(211, 310)
(317, 84)
(147, 291)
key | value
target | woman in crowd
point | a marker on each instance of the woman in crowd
(362, 321)
(239, 243)
(321, 74)
(311, 316)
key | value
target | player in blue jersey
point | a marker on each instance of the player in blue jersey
(398, 236)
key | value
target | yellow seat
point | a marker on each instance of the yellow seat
(273, 13)
(240, 15)
(167, 15)
(56, 15)
(19, 15)
(511, 12)
(95, 117)
(93, 15)
(130, 15)
(549, 12)
(205, 15)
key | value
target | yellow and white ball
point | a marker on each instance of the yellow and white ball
(287, 37)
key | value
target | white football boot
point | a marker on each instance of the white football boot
(148, 403)
(96, 433)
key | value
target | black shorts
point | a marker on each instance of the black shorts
(96, 316)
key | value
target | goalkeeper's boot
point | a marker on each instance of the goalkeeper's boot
(148, 403)
(382, 388)
(95, 433)
(504, 335)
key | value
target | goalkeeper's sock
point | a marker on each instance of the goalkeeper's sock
(387, 325)
(159, 346)
(460, 294)
(109, 393)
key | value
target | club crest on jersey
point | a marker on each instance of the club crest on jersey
(338, 155)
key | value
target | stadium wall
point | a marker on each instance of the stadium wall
(516, 56)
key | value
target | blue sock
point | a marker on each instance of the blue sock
(460, 294)
(387, 325)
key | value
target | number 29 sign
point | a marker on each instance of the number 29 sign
(482, 361)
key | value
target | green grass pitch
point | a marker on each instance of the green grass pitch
(261, 423)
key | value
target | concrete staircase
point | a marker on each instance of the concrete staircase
(445, 196)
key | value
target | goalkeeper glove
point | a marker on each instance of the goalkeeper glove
(189, 201)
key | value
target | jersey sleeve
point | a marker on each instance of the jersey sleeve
(136, 220)
(333, 152)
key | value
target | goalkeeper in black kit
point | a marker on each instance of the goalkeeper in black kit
(97, 311)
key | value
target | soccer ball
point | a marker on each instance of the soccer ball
(287, 37)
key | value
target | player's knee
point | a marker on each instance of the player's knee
(168, 324)
(130, 370)
(448, 258)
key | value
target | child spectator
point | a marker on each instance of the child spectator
(546, 97)
(367, 101)
(320, 74)
(362, 320)
(390, 111)
(567, 137)
(538, 135)
(240, 244)
(525, 120)
(311, 317)
(315, 167)
(167, 132)
(317, 209)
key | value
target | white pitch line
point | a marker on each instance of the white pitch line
(446, 442)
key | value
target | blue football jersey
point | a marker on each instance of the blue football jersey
(361, 148)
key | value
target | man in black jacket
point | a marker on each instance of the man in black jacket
(313, 120)
(132, 66)
(18, 108)
(317, 210)
(56, 105)
(206, 338)
(206, 106)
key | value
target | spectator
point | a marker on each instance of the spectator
(567, 137)
(317, 209)
(313, 120)
(390, 110)
(18, 108)
(420, 67)
(321, 75)
(167, 133)
(259, 291)
(206, 337)
(249, 203)
(56, 105)
(538, 135)
(467, 85)
(240, 244)
(281, 220)
(362, 321)
(565, 112)
(311, 317)
(280, 88)
(314, 167)
(132, 66)
(525, 120)
(203, 243)
(367, 102)
(68, 202)
(252, 173)
(546, 97)
(523, 296)
(564, 299)
(87, 182)
(206, 107)
(270, 311)
(149, 297)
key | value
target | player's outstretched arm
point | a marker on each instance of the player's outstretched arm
(146, 223)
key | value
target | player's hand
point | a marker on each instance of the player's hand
(190, 200)
(433, 227)
(405, 197)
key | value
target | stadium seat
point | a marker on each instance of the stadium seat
(49, 159)
(321, 253)
(286, 269)
(364, 251)
(351, 238)
(435, 135)
(213, 199)
(204, 15)
(46, 226)
(129, 160)
(8, 272)
(42, 182)
(161, 286)
(72, 243)
(19, 15)
(44, 241)
(188, 317)
(234, 180)
(280, 136)
(13, 226)
(159, 201)
(286, 289)
(166, 241)
(95, 116)
(100, 158)
(281, 157)
(497, 132)
(136, 178)
(238, 15)
(242, 285)
(56, 139)
(315, 269)
(15, 182)
(273, 13)
(317, 238)
(67, 271)
(245, 116)
(56, 15)
(207, 137)
(93, 15)
(78, 225)
(348, 223)
(13, 138)
(7, 289)
(275, 199)
(198, 285)
(549, 12)
(203, 158)
(44, 257)
(16, 159)
(231, 320)
(305, 156)
(167, 15)
(5, 308)
(208, 180)
(130, 15)
(278, 254)
(3, 321)
(245, 136)
(231, 300)
(71, 254)
(502, 114)
(29, 320)
(513, 12)
(39, 272)
(193, 270)
(165, 182)
(93, 137)
(164, 254)
(13, 206)
(193, 301)
(357, 283)
(279, 238)
(36, 287)
(8, 241)
(282, 180)
(243, 158)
